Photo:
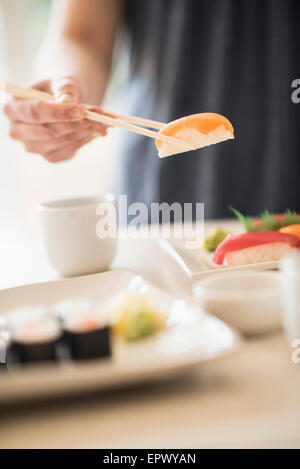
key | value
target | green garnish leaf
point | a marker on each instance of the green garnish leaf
(246, 221)
(268, 221)
(290, 218)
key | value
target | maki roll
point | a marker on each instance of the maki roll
(87, 336)
(71, 307)
(33, 337)
(64, 311)
(252, 248)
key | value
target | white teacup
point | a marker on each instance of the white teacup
(69, 233)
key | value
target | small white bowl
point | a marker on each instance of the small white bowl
(249, 301)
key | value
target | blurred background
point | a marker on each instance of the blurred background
(26, 179)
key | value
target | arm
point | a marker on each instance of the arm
(75, 62)
(80, 43)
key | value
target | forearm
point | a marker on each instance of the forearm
(70, 57)
(80, 42)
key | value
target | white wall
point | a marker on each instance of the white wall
(26, 179)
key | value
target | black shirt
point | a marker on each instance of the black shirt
(233, 57)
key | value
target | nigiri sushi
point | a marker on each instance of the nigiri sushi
(291, 229)
(252, 248)
(200, 130)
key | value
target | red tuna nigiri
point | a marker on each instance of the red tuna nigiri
(251, 248)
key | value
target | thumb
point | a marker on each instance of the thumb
(66, 89)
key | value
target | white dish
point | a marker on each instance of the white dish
(194, 338)
(198, 264)
(249, 301)
(290, 294)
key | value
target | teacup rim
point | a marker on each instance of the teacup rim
(90, 201)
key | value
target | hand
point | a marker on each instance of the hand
(55, 130)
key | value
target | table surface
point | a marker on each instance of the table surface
(250, 399)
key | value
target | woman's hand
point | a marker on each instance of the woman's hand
(55, 130)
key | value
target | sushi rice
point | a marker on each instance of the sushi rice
(256, 254)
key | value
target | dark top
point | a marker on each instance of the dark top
(233, 57)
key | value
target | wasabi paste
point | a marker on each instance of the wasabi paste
(140, 324)
(212, 242)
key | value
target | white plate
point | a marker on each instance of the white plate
(197, 264)
(194, 338)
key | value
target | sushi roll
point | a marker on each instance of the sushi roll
(33, 337)
(87, 336)
(252, 248)
(70, 307)
(64, 311)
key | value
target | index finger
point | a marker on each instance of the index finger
(43, 112)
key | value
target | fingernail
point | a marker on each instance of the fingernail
(76, 113)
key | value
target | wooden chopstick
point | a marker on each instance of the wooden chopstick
(10, 88)
(24, 93)
(136, 120)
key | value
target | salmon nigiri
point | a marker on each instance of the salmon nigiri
(291, 229)
(200, 130)
(252, 248)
